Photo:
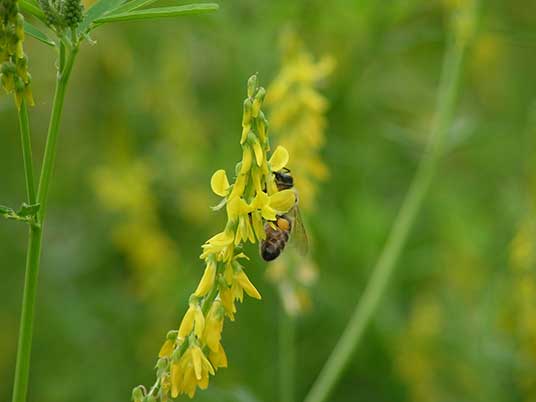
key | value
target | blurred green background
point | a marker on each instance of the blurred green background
(154, 108)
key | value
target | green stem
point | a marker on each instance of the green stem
(50, 148)
(22, 369)
(341, 355)
(287, 354)
(27, 151)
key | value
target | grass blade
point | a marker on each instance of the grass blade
(131, 6)
(162, 12)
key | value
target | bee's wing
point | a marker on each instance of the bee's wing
(298, 237)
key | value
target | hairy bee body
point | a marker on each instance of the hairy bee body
(278, 232)
(277, 236)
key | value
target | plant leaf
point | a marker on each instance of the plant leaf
(98, 9)
(131, 6)
(26, 213)
(32, 8)
(162, 12)
(37, 34)
(6, 211)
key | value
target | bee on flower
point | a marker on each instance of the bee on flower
(194, 352)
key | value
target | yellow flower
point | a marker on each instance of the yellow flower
(218, 358)
(279, 158)
(191, 371)
(275, 204)
(219, 246)
(207, 280)
(219, 183)
(193, 320)
(214, 326)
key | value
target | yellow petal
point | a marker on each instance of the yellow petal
(258, 226)
(207, 280)
(269, 213)
(199, 327)
(176, 380)
(282, 201)
(237, 207)
(196, 360)
(262, 199)
(221, 239)
(219, 183)
(279, 158)
(246, 284)
(257, 149)
(187, 323)
(166, 349)
(247, 157)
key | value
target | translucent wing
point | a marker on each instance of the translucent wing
(298, 236)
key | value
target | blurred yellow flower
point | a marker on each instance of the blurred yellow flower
(298, 122)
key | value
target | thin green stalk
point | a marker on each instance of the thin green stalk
(27, 151)
(22, 368)
(57, 108)
(287, 355)
(377, 285)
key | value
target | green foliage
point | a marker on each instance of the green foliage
(456, 324)
(26, 212)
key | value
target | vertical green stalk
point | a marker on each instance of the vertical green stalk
(22, 368)
(377, 285)
(24, 124)
(287, 354)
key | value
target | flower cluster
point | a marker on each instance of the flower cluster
(194, 352)
(298, 122)
(14, 75)
(62, 14)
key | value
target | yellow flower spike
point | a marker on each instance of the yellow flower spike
(187, 323)
(279, 158)
(282, 201)
(251, 202)
(207, 280)
(246, 284)
(219, 183)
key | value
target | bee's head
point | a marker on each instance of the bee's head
(283, 179)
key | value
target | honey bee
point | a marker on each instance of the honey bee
(286, 226)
